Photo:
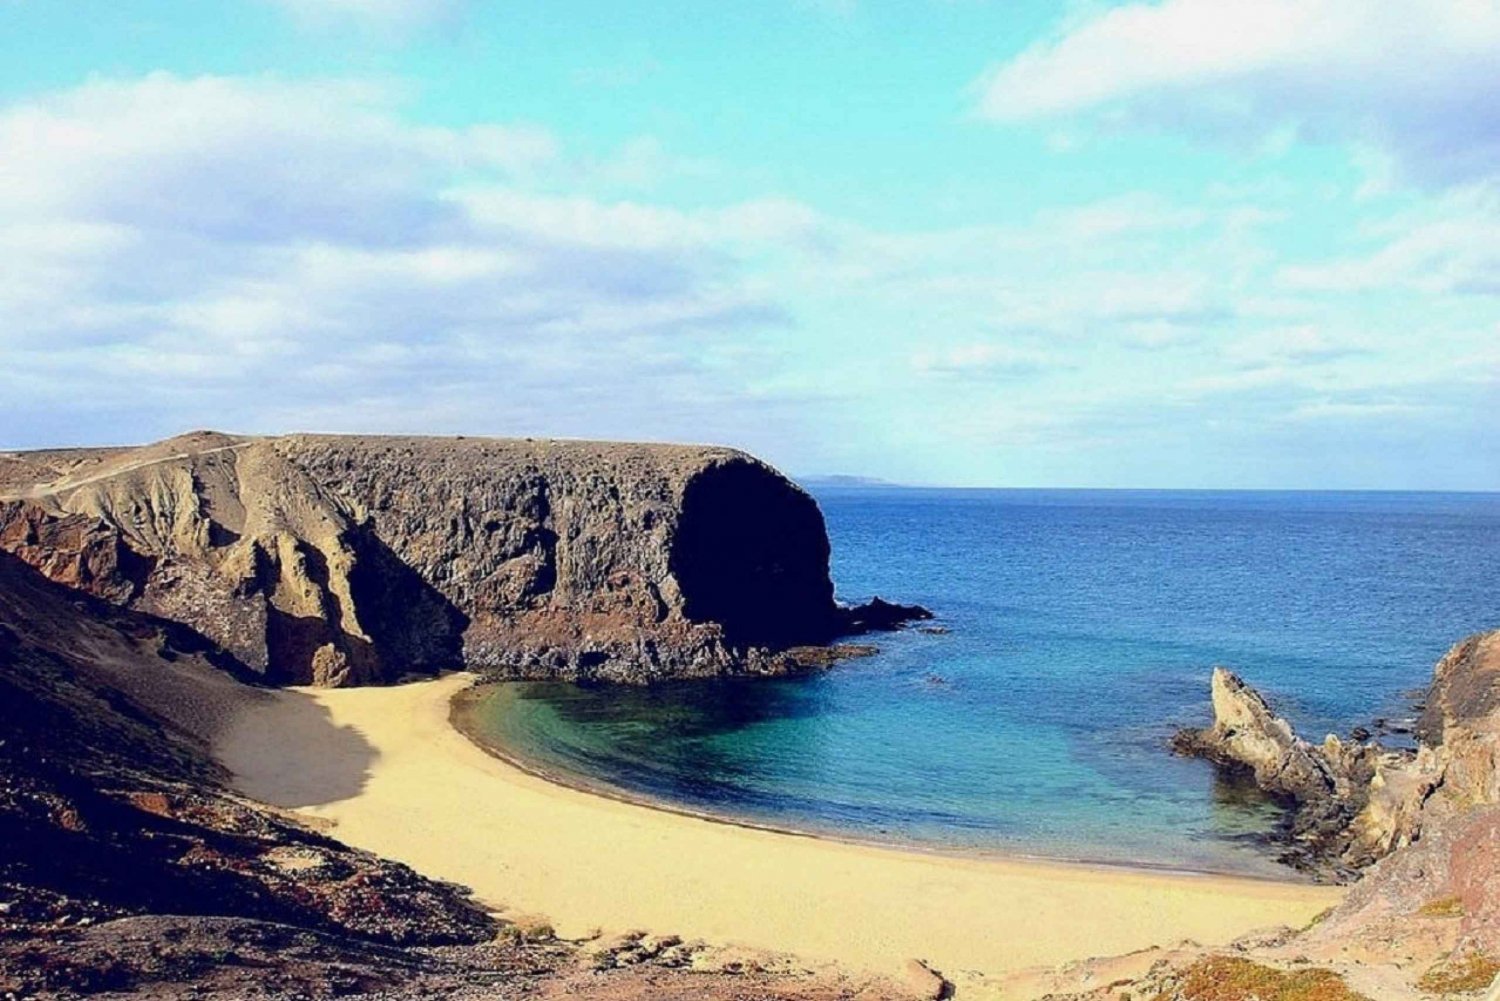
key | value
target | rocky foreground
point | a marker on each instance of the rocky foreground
(1419, 829)
(344, 560)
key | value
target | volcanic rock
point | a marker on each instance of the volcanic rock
(339, 560)
(110, 804)
(1354, 802)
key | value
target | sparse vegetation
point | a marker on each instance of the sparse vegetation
(1228, 978)
(1442, 907)
(1320, 917)
(527, 928)
(1467, 974)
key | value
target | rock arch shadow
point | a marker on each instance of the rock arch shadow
(751, 554)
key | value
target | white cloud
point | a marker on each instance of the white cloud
(1335, 410)
(242, 247)
(265, 255)
(1306, 344)
(1449, 247)
(1411, 79)
(589, 222)
(240, 158)
(1121, 215)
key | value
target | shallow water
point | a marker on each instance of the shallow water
(1083, 625)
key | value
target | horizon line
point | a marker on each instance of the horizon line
(867, 483)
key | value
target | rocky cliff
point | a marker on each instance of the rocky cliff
(345, 560)
(1355, 801)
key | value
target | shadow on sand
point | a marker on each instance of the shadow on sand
(285, 750)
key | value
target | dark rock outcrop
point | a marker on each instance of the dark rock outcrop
(346, 560)
(1354, 802)
(109, 808)
(880, 615)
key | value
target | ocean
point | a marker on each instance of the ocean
(1081, 627)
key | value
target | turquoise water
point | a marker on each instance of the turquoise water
(1082, 627)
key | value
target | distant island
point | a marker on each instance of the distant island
(844, 480)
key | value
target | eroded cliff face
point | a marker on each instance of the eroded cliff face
(339, 560)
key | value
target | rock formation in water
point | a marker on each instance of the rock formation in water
(1418, 831)
(339, 560)
(1355, 802)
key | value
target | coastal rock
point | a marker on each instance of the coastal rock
(1246, 734)
(1354, 802)
(1461, 718)
(925, 982)
(341, 560)
(881, 615)
(1325, 786)
(1437, 896)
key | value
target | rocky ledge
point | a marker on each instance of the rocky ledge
(337, 560)
(1353, 802)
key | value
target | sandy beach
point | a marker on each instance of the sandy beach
(385, 770)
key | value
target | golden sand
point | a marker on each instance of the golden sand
(386, 768)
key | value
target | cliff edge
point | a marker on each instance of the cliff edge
(337, 560)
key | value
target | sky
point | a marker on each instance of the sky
(1188, 243)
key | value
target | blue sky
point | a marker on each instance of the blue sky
(1186, 243)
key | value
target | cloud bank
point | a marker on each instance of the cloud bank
(182, 237)
(1410, 80)
(265, 255)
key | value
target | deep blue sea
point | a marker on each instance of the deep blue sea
(1082, 626)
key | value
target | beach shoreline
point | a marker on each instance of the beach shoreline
(385, 769)
(465, 701)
